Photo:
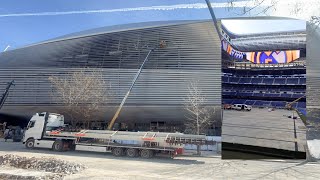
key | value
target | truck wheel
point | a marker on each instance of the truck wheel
(117, 151)
(30, 143)
(146, 153)
(132, 152)
(57, 145)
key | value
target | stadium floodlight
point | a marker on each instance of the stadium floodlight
(6, 48)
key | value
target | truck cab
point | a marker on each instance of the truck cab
(40, 123)
(241, 107)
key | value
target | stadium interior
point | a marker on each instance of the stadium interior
(268, 77)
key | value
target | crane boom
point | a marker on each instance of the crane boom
(288, 105)
(128, 93)
(6, 93)
(214, 19)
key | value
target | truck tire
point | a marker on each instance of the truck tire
(146, 153)
(132, 152)
(57, 145)
(117, 151)
(30, 143)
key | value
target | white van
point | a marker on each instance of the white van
(242, 107)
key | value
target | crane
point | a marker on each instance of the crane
(6, 93)
(113, 120)
(289, 105)
(214, 19)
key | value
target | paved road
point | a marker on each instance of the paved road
(105, 166)
(260, 127)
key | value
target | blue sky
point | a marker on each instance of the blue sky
(18, 29)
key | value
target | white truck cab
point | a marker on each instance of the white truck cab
(242, 107)
(40, 123)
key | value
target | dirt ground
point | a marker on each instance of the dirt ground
(105, 166)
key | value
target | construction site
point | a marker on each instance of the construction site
(17, 162)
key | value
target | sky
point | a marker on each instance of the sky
(32, 21)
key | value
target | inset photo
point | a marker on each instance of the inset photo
(264, 88)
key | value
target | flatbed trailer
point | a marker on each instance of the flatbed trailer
(45, 130)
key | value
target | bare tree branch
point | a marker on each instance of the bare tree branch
(82, 93)
(199, 115)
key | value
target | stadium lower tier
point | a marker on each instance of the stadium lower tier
(261, 103)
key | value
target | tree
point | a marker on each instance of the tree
(253, 7)
(199, 114)
(82, 93)
(301, 9)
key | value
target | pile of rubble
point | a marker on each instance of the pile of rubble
(42, 164)
(19, 177)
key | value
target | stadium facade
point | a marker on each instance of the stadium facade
(313, 81)
(192, 51)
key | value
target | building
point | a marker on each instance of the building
(184, 51)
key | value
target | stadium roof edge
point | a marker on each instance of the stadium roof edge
(236, 35)
(114, 28)
(143, 25)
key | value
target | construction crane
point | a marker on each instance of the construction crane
(113, 120)
(214, 19)
(6, 93)
(289, 105)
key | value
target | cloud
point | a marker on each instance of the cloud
(150, 8)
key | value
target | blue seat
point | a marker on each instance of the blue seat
(279, 81)
(225, 79)
(301, 105)
(296, 96)
(302, 81)
(239, 101)
(268, 81)
(250, 102)
(233, 80)
(245, 81)
(286, 95)
(256, 80)
(292, 81)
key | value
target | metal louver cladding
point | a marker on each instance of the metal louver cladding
(184, 51)
(313, 66)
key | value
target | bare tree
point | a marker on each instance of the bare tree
(252, 7)
(301, 9)
(82, 93)
(199, 114)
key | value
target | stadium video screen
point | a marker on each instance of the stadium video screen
(263, 57)
(273, 57)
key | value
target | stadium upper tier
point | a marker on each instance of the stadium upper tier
(278, 34)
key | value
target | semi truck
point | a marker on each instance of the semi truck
(47, 130)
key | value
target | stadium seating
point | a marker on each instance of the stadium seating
(292, 81)
(234, 80)
(286, 95)
(245, 81)
(279, 81)
(264, 88)
(256, 81)
(302, 81)
(268, 81)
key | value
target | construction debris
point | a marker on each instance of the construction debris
(42, 164)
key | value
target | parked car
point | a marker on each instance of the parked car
(240, 107)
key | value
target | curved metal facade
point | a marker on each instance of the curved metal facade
(192, 51)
